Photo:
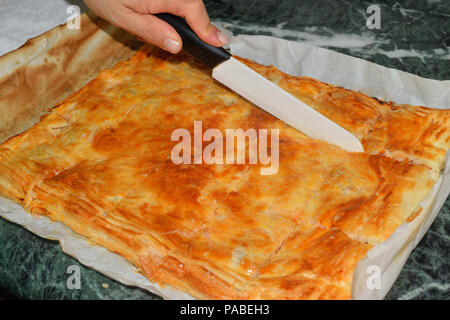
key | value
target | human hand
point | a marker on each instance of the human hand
(136, 16)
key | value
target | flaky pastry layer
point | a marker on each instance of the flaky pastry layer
(100, 162)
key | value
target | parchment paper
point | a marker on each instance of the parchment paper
(295, 59)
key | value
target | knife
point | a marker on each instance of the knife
(260, 91)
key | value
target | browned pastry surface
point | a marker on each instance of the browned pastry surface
(100, 162)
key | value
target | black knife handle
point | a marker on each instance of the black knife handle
(209, 55)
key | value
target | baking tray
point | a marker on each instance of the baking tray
(50, 67)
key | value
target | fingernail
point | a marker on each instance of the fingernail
(171, 45)
(222, 38)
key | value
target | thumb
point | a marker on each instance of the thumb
(153, 30)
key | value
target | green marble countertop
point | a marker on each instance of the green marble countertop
(414, 37)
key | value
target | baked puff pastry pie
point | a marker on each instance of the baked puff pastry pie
(100, 162)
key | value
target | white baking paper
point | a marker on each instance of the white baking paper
(328, 66)
(25, 19)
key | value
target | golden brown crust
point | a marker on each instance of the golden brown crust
(401, 132)
(100, 163)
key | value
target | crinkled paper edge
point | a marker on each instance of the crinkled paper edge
(296, 59)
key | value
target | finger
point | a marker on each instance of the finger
(152, 30)
(195, 14)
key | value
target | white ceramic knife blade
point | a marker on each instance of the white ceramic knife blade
(263, 93)
(281, 104)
